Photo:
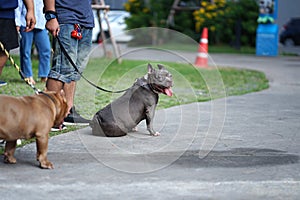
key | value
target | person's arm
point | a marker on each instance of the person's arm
(52, 24)
(30, 17)
(18, 12)
(49, 5)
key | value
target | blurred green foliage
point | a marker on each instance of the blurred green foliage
(228, 21)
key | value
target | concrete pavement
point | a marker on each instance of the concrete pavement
(255, 151)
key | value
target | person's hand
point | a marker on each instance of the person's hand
(53, 27)
(30, 21)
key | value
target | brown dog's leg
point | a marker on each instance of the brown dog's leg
(9, 152)
(42, 148)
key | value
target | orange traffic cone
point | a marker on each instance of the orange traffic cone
(202, 55)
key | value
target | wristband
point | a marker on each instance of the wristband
(50, 15)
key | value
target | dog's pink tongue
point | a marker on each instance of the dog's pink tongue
(169, 92)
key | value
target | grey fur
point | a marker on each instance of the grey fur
(136, 104)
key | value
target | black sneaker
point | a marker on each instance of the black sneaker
(75, 119)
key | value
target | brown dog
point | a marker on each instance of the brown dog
(30, 116)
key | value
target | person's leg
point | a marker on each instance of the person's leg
(57, 86)
(69, 89)
(73, 118)
(9, 39)
(54, 85)
(42, 43)
(3, 59)
(62, 70)
(25, 52)
(60, 75)
(83, 51)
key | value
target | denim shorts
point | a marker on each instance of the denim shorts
(78, 50)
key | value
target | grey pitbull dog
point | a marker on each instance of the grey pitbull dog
(136, 104)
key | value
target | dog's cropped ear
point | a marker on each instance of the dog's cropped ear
(160, 67)
(150, 68)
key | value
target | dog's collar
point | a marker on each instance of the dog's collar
(51, 98)
(47, 95)
(143, 82)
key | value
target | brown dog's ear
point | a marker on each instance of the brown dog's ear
(150, 68)
(61, 95)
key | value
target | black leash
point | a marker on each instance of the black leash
(77, 70)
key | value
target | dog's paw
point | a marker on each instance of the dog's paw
(155, 134)
(135, 129)
(10, 159)
(46, 165)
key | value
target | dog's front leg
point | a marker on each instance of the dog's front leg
(150, 111)
(42, 148)
(9, 152)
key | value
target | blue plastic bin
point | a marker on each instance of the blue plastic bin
(267, 40)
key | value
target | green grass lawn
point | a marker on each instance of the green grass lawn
(190, 84)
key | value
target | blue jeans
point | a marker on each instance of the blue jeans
(42, 44)
(78, 50)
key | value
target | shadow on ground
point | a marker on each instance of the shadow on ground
(238, 157)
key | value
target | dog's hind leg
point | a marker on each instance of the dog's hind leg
(9, 152)
(96, 128)
(104, 129)
(113, 130)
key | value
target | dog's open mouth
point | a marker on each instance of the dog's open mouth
(167, 90)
